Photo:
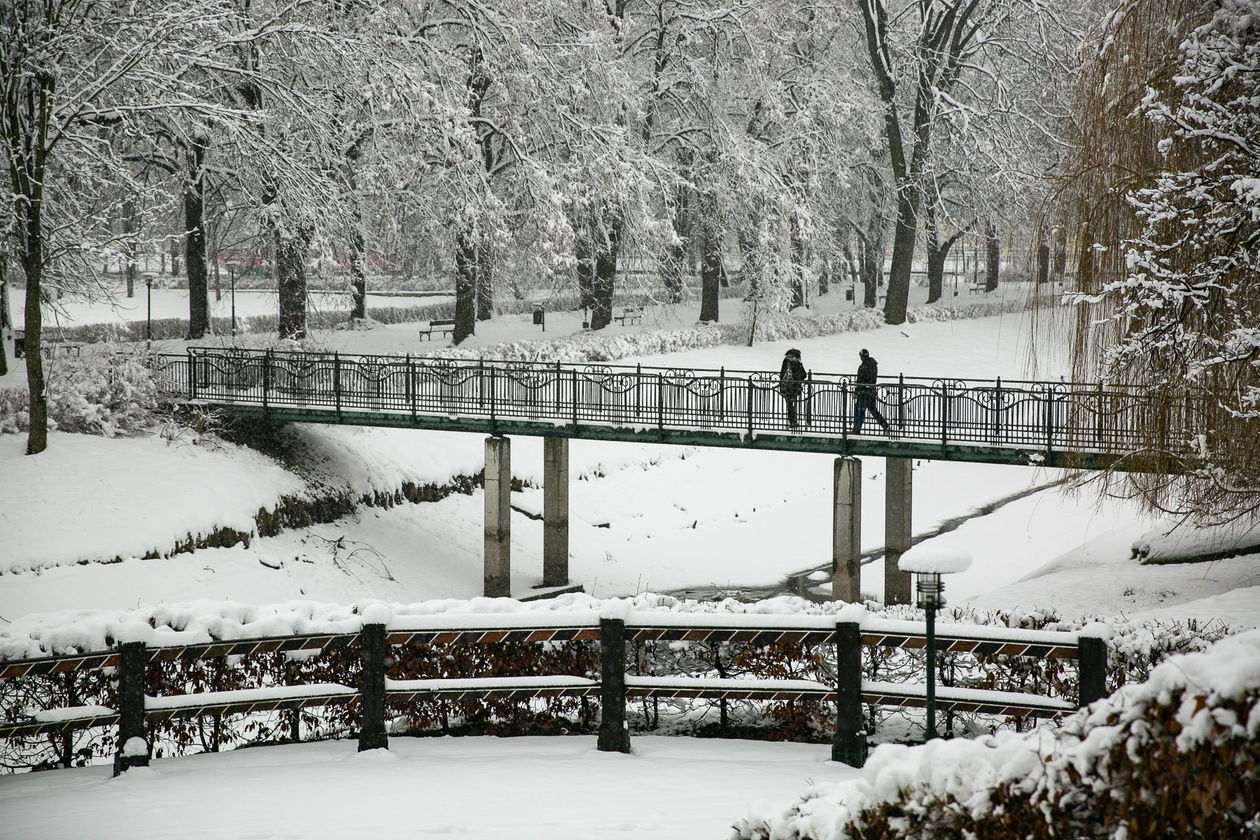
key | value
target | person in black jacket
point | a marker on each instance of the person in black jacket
(791, 381)
(867, 373)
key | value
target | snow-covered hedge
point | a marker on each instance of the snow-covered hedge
(107, 394)
(597, 347)
(1172, 757)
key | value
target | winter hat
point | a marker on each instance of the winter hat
(863, 353)
(793, 352)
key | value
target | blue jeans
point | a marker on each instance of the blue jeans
(865, 403)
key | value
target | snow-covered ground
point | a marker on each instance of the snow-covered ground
(642, 518)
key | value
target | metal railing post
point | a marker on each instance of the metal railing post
(638, 390)
(997, 410)
(750, 407)
(809, 396)
(1098, 424)
(1049, 418)
(846, 417)
(573, 399)
(660, 403)
(722, 395)
(192, 375)
(337, 383)
(901, 401)
(266, 379)
(944, 412)
(411, 387)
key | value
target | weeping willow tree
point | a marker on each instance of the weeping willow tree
(1164, 197)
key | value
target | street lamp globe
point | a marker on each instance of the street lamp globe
(928, 561)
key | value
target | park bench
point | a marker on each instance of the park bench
(630, 315)
(441, 326)
(50, 346)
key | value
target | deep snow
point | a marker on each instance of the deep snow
(643, 518)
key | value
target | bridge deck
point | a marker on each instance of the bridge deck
(992, 421)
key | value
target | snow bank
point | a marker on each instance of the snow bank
(963, 780)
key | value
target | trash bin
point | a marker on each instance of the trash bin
(848, 294)
(538, 316)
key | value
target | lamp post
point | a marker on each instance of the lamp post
(231, 267)
(928, 562)
(148, 307)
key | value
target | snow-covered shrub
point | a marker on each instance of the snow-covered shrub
(99, 394)
(1174, 757)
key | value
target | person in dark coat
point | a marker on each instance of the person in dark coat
(791, 382)
(867, 373)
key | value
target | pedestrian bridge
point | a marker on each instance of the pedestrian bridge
(1052, 424)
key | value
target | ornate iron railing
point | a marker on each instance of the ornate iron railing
(1042, 416)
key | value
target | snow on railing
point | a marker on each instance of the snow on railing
(613, 627)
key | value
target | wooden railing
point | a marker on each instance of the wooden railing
(1044, 417)
(613, 688)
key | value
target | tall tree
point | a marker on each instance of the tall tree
(80, 79)
(1167, 298)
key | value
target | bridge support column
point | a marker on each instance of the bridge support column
(846, 531)
(555, 511)
(498, 525)
(897, 528)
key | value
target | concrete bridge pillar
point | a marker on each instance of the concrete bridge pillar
(846, 531)
(555, 511)
(897, 529)
(498, 523)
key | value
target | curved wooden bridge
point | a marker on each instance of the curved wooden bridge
(1056, 424)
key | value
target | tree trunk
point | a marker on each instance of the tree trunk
(33, 268)
(465, 285)
(291, 251)
(606, 273)
(798, 267)
(904, 234)
(6, 323)
(710, 264)
(935, 254)
(195, 242)
(358, 273)
(174, 257)
(129, 244)
(585, 259)
(485, 282)
(1043, 263)
(675, 267)
(872, 273)
(993, 257)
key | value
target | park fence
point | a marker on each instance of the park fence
(613, 682)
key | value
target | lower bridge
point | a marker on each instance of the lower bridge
(1033, 423)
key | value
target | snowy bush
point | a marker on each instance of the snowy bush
(98, 393)
(596, 347)
(1173, 757)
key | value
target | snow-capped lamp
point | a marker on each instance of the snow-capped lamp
(928, 562)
